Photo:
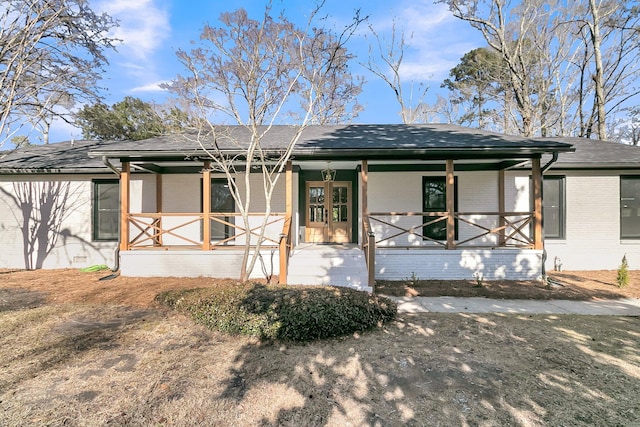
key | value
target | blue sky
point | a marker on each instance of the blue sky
(152, 30)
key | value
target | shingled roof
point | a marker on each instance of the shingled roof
(596, 154)
(62, 157)
(355, 142)
(349, 142)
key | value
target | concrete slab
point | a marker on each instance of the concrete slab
(621, 307)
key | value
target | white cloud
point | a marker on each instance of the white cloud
(435, 39)
(151, 87)
(143, 26)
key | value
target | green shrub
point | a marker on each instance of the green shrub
(622, 278)
(292, 313)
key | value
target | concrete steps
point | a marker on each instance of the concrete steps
(338, 265)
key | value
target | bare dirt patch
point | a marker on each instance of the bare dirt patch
(574, 285)
(87, 352)
(74, 286)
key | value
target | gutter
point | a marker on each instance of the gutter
(554, 158)
(116, 255)
(110, 165)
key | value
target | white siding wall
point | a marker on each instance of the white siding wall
(592, 235)
(477, 192)
(396, 192)
(459, 264)
(181, 194)
(217, 263)
(74, 247)
(592, 225)
(402, 192)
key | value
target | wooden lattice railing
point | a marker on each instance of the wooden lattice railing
(511, 229)
(153, 231)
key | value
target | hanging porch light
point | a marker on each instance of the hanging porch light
(328, 174)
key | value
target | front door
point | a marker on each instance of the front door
(328, 212)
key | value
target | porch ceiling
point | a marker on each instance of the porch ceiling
(196, 165)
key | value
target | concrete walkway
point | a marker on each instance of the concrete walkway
(620, 307)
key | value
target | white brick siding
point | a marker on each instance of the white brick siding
(181, 194)
(402, 192)
(74, 247)
(223, 263)
(458, 264)
(592, 220)
(592, 240)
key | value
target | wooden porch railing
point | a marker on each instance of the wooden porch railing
(286, 245)
(152, 230)
(369, 249)
(510, 231)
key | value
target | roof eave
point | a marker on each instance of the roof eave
(50, 171)
(352, 154)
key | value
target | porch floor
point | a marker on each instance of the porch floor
(335, 264)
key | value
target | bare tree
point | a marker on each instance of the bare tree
(570, 64)
(627, 130)
(257, 73)
(391, 54)
(511, 40)
(51, 54)
(611, 51)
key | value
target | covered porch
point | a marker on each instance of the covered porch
(431, 208)
(393, 243)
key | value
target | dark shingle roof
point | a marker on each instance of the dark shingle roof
(591, 153)
(348, 142)
(323, 142)
(70, 157)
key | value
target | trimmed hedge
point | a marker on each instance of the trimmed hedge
(291, 313)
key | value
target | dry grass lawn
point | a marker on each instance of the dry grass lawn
(82, 352)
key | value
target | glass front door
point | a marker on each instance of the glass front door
(328, 212)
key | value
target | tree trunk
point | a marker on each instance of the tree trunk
(599, 76)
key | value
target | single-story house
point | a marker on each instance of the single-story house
(355, 203)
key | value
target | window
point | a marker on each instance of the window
(434, 199)
(630, 207)
(221, 201)
(553, 207)
(106, 210)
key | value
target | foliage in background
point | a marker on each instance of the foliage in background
(130, 119)
(569, 67)
(477, 84)
(285, 313)
(391, 53)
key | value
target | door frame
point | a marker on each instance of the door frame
(328, 230)
(350, 175)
